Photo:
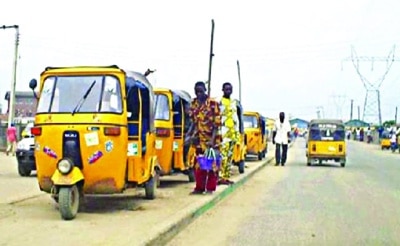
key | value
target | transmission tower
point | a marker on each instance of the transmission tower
(372, 103)
(339, 101)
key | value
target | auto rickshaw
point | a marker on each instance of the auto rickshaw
(256, 141)
(94, 134)
(385, 140)
(240, 148)
(172, 123)
(326, 141)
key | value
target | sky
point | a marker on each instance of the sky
(293, 55)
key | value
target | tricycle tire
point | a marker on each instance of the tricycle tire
(150, 187)
(23, 171)
(260, 156)
(241, 167)
(342, 164)
(191, 175)
(68, 200)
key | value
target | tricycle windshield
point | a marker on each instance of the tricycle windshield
(332, 132)
(250, 121)
(162, 107)
(74, 94)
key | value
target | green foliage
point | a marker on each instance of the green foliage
(389, 123)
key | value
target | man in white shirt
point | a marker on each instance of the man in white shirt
(280, 137)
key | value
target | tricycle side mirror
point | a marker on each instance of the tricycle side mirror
(33, 85)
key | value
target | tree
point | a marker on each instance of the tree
(389, 123)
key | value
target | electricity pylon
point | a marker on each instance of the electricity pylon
(372, 103)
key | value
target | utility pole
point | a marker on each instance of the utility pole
(351, 109)
(211, 56)
(11, 109)
(240, 82)
(395, 117)
(358, 109)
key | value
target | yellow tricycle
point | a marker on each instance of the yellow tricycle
(385, 140)
(240, 148)
(94, 134)
(172, 123)
(256, 140)
(326, 141)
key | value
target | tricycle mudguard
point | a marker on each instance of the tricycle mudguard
(67, 179)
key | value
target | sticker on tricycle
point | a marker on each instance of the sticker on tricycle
(175, 146)
(92, 139)
(132, 149)
(159, 144)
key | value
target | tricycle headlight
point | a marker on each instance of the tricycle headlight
(65, 166)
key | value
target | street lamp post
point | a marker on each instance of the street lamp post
(11, 109)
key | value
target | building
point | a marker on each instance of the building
(25, 104)
(299, 123)
(356, 124)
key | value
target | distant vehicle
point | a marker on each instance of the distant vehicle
(25, 156)
(27, 131)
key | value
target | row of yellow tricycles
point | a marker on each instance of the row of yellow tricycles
(101, 130)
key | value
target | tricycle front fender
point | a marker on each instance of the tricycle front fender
(71, 178)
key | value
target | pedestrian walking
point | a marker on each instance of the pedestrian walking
(206, 121)
(11, 139)
(280, 138)
(229, 132)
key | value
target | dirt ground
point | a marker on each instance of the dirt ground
(126, 219)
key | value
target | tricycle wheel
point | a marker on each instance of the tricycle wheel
(260, 156)
(68, 200)
(191, 175)
(24, 171)
(150, 187)
(241, 167)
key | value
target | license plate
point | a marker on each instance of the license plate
(65, 179)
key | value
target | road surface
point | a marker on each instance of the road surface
(317, 205)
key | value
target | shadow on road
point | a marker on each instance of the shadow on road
(172, 183)
(109, 204)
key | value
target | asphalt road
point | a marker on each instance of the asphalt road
(317, 205)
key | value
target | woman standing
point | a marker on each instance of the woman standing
(206, 120)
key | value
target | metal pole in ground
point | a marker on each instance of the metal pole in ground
(11, 109)
(211, 56)
(240, 82)
(14, 80)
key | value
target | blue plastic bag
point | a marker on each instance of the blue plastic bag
(210, 161)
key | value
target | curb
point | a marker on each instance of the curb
(172, 229)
